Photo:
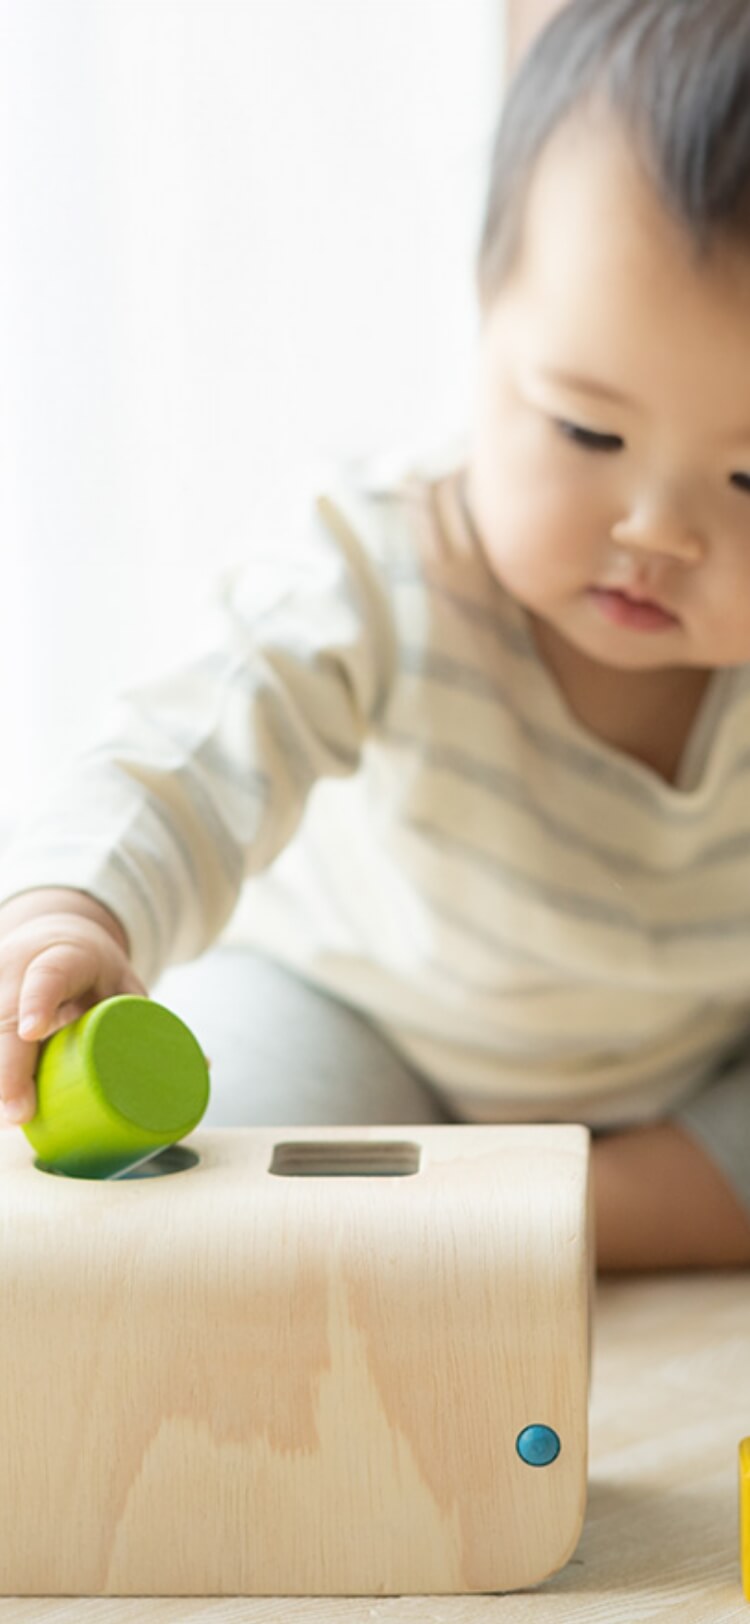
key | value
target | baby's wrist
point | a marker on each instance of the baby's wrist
(16, 910)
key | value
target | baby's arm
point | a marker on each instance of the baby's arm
(199, 780)
(662, 1203)
(201, 777)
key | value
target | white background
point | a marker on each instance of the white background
(237, 237)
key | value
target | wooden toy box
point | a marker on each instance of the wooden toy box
(300, 1366)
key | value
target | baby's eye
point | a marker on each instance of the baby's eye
(588, 438)
(741, 482)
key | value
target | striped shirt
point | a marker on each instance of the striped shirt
(369, 774)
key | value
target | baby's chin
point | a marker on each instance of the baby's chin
(623, 653)
(580, 630)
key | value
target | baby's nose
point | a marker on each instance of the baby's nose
(659, 529)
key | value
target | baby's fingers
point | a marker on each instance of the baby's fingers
(55, 977)
(17, 1066)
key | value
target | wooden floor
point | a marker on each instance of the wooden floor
(670, 1402)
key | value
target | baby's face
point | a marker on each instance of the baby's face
(611, 442)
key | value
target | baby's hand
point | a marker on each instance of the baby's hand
(52, 969)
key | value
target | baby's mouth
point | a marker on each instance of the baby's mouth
(624, 609)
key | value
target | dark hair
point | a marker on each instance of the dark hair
(675, 73)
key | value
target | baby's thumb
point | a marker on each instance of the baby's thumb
(63, 980)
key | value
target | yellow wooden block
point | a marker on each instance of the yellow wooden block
(744, 1464)
(318, 1361)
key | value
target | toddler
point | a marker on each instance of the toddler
(463, 780)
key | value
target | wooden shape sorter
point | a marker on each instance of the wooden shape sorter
(315, 1361)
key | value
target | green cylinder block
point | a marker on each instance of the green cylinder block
(115, 1086)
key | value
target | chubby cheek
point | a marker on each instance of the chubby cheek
(540, 534)
(719, 601)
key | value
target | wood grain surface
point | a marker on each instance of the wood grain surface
(670, 1402)
(300, 1365)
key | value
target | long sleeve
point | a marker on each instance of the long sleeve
(201, 778)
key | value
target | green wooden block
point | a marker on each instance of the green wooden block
(115, 1086)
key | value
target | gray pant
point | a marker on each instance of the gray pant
(282, 1052)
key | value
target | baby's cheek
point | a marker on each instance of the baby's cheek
(540, 547)
(524, 567)
(719, 599)
(539, 526)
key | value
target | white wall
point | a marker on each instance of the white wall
(237, 237)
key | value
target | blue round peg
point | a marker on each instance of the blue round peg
(538, 1445)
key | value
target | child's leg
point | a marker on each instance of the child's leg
(718, 1119)
(282, 1052)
